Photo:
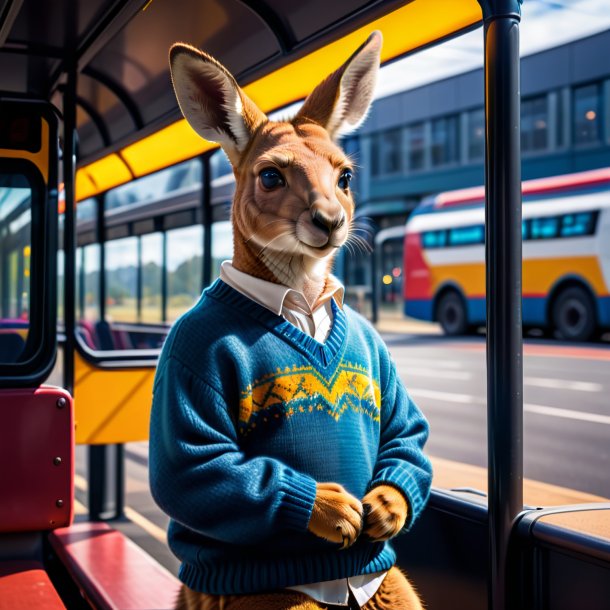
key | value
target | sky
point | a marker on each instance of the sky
(544, 24)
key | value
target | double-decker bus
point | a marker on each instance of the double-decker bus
(566, 257)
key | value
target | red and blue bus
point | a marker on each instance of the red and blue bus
(566, 257)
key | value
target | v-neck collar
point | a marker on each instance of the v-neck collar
(323, 354)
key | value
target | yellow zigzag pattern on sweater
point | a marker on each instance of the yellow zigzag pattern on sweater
(296, 390)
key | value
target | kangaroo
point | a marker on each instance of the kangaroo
(292, 211)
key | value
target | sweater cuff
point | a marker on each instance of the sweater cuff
(404, 482)
(296, 504)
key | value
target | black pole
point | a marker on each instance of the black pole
(101, 238)
(503, 287)
(206, 205)
(69, 171)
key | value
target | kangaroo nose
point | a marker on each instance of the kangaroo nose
(326, 224)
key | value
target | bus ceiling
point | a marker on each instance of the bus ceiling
(128, 121)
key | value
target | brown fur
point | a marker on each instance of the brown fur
(395, 593)
(289, 235)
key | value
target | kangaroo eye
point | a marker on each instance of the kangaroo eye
(271, 178)
(344, 178)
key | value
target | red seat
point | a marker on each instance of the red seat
(112, 571)
(24, 585)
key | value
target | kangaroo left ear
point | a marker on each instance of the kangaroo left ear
(340, 102)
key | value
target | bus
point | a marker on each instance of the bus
(566, 257)
(113, 218)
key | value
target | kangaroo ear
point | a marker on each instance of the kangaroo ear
(212, 101)
(341, 101)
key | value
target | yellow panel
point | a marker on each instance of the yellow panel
(106, 173)
(418, 23)
(540, 275)
(470, 277)
(177, 142)
(85, 188)
(40, 159)
(111, 406)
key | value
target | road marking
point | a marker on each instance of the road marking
(563, 384)
(447, 396)
(134, 516)
(146, 524)
(595, 418)
(448, 364)
(438, 373)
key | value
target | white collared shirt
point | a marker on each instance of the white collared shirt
(317, 323)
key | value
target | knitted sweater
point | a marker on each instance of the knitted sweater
(248, 413)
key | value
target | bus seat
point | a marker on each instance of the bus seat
(86, 336)
(38, 450)
(111, 570)
(11, 346)
(25, 585)
(104, 335)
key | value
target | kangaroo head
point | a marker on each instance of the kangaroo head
(293, 206)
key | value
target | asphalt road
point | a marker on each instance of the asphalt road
(566, 419)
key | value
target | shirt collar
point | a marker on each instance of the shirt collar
(272, 295)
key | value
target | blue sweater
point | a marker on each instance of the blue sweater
(248, 413)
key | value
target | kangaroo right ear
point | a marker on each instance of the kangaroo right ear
(212, 101)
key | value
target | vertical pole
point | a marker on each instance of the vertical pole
(139, 281)
(69, 171)
(503, 287)
(206, 206)
(164, 282)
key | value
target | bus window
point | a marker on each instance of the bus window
(121, 280)
(152, 278)
(544, 228)
(184, 269)
(467, 236)
(222, 245)
(574, 225)
(15, 254)
(434, 239)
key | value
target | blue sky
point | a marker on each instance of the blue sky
(544, 24)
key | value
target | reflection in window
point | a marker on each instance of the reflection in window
(391, 151)
(184, 269)
(219, 165)
(156, 186)
(15, 255)
(434, 239)
(576, 225)
(544, 228)
(91, 285)
(445, 148)
(86, 210)
(587, 114)
(534, 124)
(467, 236)
(222, 245)
(415, 144)
(152, 271)
(476, 134)
(121, 279)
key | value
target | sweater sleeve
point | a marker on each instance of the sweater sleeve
(201, 478)
(401, 462)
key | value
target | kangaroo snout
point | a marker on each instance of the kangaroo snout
(327, 223)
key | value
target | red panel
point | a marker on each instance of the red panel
(24, 585)
(417, 274)
(37, 458)
(112, 571)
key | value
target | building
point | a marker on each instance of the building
(431, 139)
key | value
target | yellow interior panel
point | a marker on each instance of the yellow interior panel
(111, 406)
(414, 25)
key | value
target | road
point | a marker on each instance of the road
(566, 419)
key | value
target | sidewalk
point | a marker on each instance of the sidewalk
(392, 323)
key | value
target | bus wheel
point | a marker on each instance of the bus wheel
(451, 314)
(574, 315)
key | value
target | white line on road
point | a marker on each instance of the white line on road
(448, 364)
(567, 414)
(596, 418)
(437, 373)
(445, 396)
(563, 384)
